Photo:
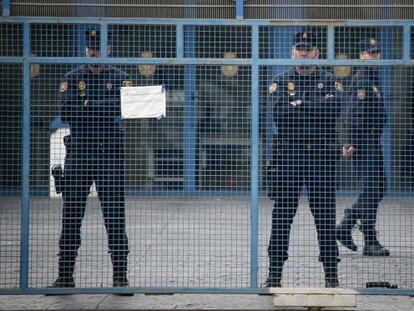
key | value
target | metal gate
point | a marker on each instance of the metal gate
(197, 212)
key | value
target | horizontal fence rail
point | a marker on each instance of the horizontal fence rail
(191, 189)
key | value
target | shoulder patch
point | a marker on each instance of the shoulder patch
(81, 85)
(291, 86)
(272, 88)
(63, 86)
(127, 83)
(339, 87)
(361, 93)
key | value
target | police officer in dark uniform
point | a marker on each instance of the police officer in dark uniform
(90, 104)
(366, 119)
(305, 108)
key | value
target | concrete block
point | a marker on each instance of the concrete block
(313, 298)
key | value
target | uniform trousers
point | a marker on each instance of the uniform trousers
(296, 166)
(103, 164)
(369, 165)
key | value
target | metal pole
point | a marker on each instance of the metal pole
(6, 8)
(254, 180)
(25, 174)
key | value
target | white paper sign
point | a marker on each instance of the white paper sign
(143, 102)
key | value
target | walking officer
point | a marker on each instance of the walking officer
(366, 119)
(305, 108)
(90, 104)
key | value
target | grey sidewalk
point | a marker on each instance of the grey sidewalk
(183, 301)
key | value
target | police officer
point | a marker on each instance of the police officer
(305, 108)
(90, 104)
(366, 119)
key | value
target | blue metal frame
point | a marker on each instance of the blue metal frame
(6, 8)
(254, 166)
(181, 290)
(25, 186)
(189, 116)
(386, 39)
(189, 61)
(239, 9)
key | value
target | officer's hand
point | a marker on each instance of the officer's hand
(348, 150)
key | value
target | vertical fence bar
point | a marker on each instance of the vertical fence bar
(254, 165)
(406, 42)
(6, 8)
(330, 43)
(25, 178)
(104, 40)
(387, 52)
(386, 45)
(189, 114)
(189, 109)
(179, 45)
(239, 9)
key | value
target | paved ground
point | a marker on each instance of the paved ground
(187, 302)
(196, 243)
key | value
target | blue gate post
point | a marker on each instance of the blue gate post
(104, 40)
(406, 43)
(239, 9)
(254, 165)
(25, 177)
(190, 126)
(189, 117)
(386, 46)
(6, 8)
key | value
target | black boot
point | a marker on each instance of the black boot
(66, 269)
(63, 282)
(331, 276)
(344, 230)
(121, 281)
(65, 277)
(119, 278)
(374, 248)
(274, 278)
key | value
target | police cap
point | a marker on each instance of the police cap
(305, 39)
(370, 45)
(93, 39)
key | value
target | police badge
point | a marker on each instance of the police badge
(339, 87)
(81, 85)
(291, 88)
(361, 93)
(272, 88)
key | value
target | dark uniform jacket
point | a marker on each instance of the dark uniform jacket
(90, 103)
(366, 112)
(305, 108)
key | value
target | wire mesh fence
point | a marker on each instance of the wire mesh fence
(171, 203)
